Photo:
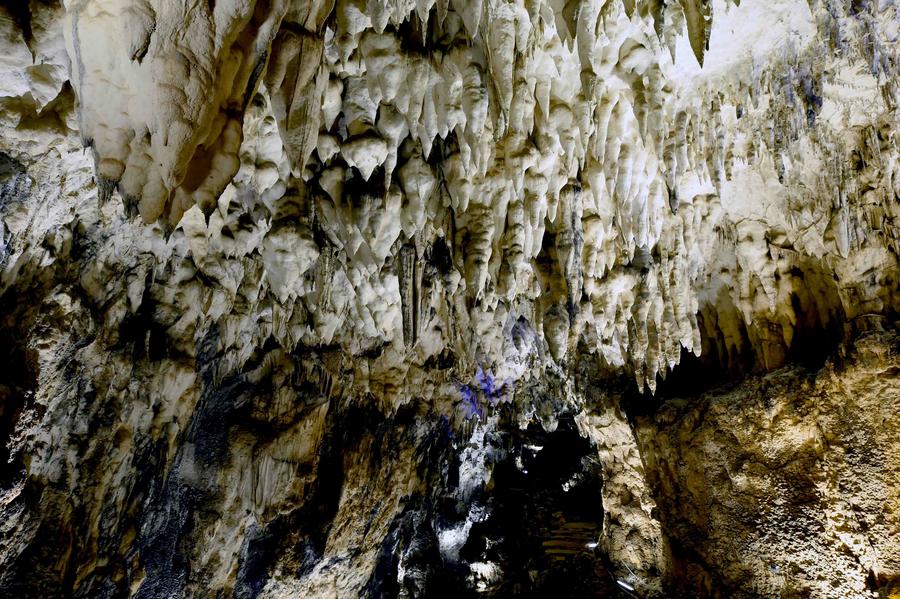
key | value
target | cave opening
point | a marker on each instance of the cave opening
(540, 537)
(14, 392)
(18, 382)
(817, 330)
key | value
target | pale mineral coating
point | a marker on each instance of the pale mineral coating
(579, 176)
(244, 243)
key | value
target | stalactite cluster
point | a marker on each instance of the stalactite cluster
(294, 293)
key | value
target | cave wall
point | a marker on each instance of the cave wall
(793, 475)
(290, 291)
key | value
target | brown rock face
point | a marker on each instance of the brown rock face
(484, 298)
(786, 484)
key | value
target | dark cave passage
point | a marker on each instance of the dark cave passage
(820, 326)
(546, 515)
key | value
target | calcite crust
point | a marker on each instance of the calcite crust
(289, 288)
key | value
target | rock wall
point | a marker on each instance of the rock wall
(423, 298)
(792, 475)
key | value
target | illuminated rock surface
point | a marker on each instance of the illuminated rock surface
(449, 298)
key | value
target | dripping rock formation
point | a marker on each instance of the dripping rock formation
(449, 298)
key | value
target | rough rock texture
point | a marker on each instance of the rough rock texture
(793, 475)
(304, 298)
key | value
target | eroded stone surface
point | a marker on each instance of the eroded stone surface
(279, 280)
(793, 476)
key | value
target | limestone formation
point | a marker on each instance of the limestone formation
(395, 298)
